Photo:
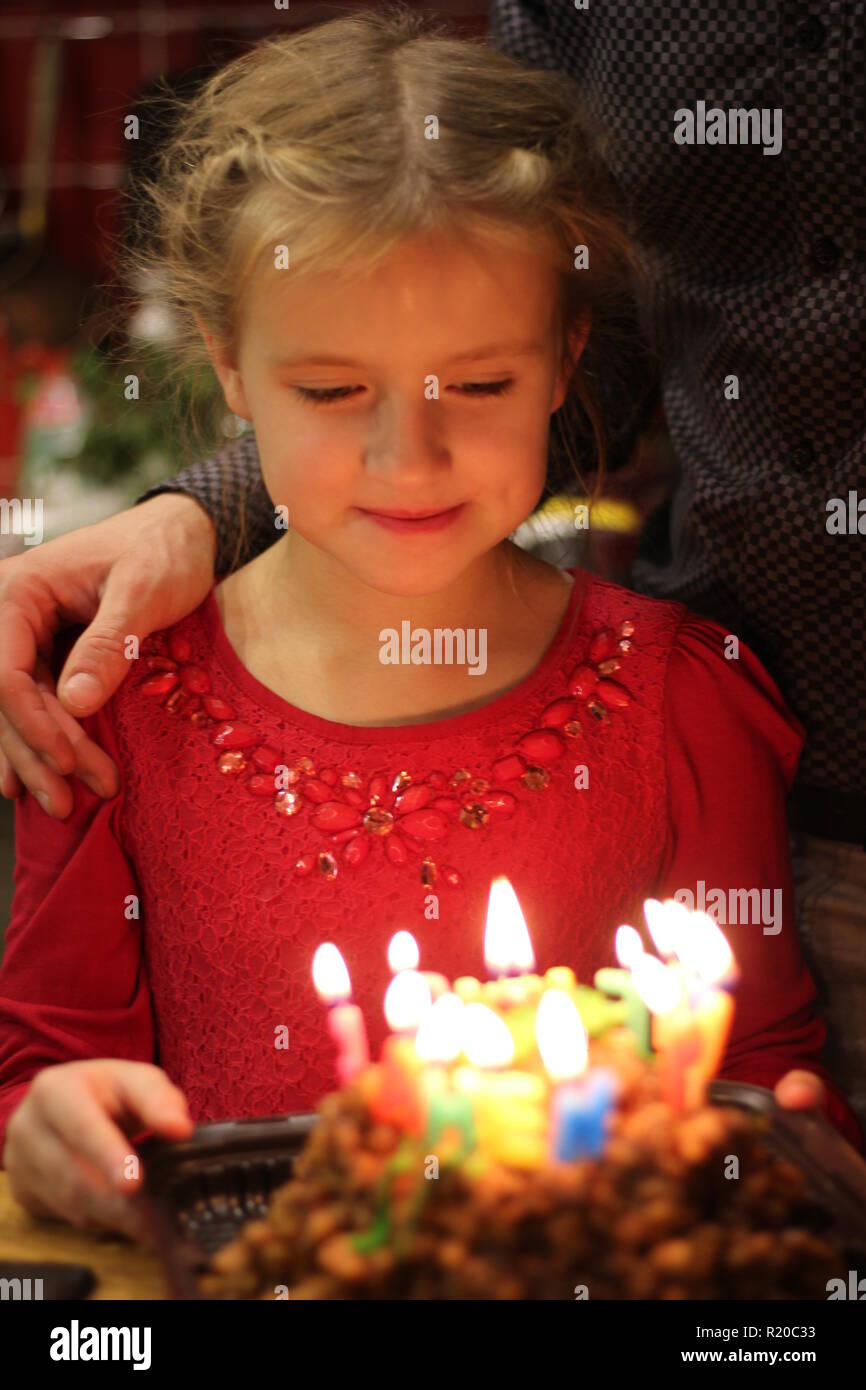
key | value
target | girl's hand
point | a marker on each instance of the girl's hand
(143, 569)
(800, 1090)
(66, 1148)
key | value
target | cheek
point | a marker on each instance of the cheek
(525, 488)
(304, 461)
(509, 458)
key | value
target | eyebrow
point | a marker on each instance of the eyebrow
(473, 355)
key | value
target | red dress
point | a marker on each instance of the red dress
(689, 756)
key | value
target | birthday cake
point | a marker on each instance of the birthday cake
(657, 1215)
(532, 1138)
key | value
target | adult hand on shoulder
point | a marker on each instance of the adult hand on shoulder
(800, 1090)
(141, 570)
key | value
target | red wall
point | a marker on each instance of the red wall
(100, 76)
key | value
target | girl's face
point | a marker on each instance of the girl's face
(402, 416)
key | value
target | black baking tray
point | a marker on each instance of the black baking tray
(199, 1192)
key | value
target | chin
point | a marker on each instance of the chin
(413, 578)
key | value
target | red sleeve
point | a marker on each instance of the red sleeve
(732, 751)
(73, 983)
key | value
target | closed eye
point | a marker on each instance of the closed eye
(326, 395)
(486, 388)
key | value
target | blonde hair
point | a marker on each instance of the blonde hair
(317, 140)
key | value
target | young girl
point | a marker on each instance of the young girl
(375, 232)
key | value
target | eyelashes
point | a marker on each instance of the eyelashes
(328, 395)
(325, 395)
(487, 388)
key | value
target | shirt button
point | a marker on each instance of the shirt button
(811, 34)
(825, 253)
(803, 454)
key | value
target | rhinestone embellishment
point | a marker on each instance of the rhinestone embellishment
(378, 822)
(403, 811)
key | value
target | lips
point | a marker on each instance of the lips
(407, 516)
(431, 519)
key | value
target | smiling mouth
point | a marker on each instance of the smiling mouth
(428, 520)
(408, 516)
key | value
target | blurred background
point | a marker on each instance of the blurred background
(70, 76)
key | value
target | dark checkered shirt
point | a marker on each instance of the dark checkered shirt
(757, 261)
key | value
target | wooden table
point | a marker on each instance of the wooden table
(122, 1269)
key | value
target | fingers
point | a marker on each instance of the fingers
(76, 1118)
(125, 576)
(22, 701)
(83, 1115)
(61, 1184)
(800, 1090)
(92, 763)
(100, 659)
(51, 791)
(143, 1095)
(10, 785)
(23, 767)
(66, 1150)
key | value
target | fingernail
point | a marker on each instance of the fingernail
(119, 1174)
(44, 801)
(82, 690)
(99, 788)
(796, 1095)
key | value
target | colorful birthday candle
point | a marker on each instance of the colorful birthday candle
(581, 1101)
(621, 984)
(345, 1020)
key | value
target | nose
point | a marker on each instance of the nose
(405, 442)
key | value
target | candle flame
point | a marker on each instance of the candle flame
(440, 1032)
(487, 1041)
(560, 1035)
(661, 924)
(657, 985)
(407, 999)
(702, 947)
(403, 952)
(330, 976)
(628, 946)
(507, 945)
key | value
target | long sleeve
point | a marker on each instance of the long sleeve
(732, 751)
(230, 487)
(73, 984)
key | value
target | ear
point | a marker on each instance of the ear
(576, 343)
(228, 374)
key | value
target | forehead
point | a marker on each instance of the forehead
(445, 287)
